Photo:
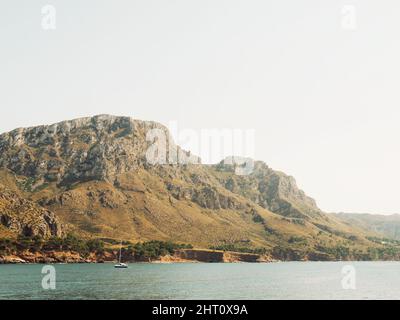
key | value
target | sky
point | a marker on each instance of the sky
(313, 84)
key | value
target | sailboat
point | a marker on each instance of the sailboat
(120, 265)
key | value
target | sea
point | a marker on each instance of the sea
(202, 281)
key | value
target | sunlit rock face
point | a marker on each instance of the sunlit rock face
(24, 217)
(86, 149)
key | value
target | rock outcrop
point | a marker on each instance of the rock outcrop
(97, 148)
(219, 256)
(25, 217)
(270, 189)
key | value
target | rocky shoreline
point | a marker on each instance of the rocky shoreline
(180, 256)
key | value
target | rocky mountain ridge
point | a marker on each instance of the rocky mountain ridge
(82, 149)
(388, 226)
(97, 176)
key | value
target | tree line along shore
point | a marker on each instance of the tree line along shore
(72, 249)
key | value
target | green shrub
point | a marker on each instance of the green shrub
(154, 249)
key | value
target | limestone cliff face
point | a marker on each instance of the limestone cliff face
(270, 189)
(26, 218)
(97, 148)
(219, 256)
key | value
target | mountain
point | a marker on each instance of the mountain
(387, 226)
(102, 177)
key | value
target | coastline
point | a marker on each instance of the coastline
(179, 256)
(195, 256)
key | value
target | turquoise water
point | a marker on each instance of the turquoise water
(289, 280)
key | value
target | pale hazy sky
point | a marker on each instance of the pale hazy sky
(323, 99)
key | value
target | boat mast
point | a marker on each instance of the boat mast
(120, 249)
